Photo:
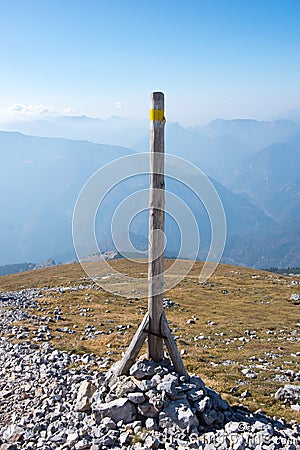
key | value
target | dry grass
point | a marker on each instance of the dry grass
(257, 301)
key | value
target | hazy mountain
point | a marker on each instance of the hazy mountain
(43, 177)
(256, 134)
(280, 248)
(270, 179)
(293, 114)
(218, 148)
(114, 130)
(242, 217)
(39, 184)
(217, 156)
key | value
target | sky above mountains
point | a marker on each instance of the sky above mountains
(211, 58)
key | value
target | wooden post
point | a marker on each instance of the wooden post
(154, 324)
(156, 227)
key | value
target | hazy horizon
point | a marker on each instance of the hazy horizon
(19, 113)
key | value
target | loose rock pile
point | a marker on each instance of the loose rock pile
(56, 400)
(290, 394)
(160, 409)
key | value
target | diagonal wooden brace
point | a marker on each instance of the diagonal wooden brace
(122, 367)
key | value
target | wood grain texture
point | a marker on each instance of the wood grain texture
(122, 367)
(172, 347)
(156, 231)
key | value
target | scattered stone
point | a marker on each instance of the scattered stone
(168, 303)
(8, 447)
(151, 442)
(249, 373)
(120, 409)
(12, 432)
(123, 386)
(125, 438)
(179, 413)
(84, 396)
(136, 397)
(245, 394)
(191, 322)
(151, 424)
(143, 369)
(289, 394)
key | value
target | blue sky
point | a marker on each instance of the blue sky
(211, 58)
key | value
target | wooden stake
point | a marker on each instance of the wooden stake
(172, 347)
(156, 227)
(154, 324)
(123, 366)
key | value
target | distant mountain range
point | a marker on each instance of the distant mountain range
(253, 165)
(270, 179)
(256, 134)
(115, 130)
(39, 184)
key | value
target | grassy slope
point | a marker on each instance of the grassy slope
(256, 301)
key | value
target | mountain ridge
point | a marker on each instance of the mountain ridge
(63, 166)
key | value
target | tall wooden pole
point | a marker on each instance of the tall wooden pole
(156, 227)
(154, 324)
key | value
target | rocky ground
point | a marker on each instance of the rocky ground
(56, 400)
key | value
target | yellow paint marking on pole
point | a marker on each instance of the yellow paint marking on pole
(157, 114)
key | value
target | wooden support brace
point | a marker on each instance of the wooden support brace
(172, 347)
(123, 366)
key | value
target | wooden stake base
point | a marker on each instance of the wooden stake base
(123, 366)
